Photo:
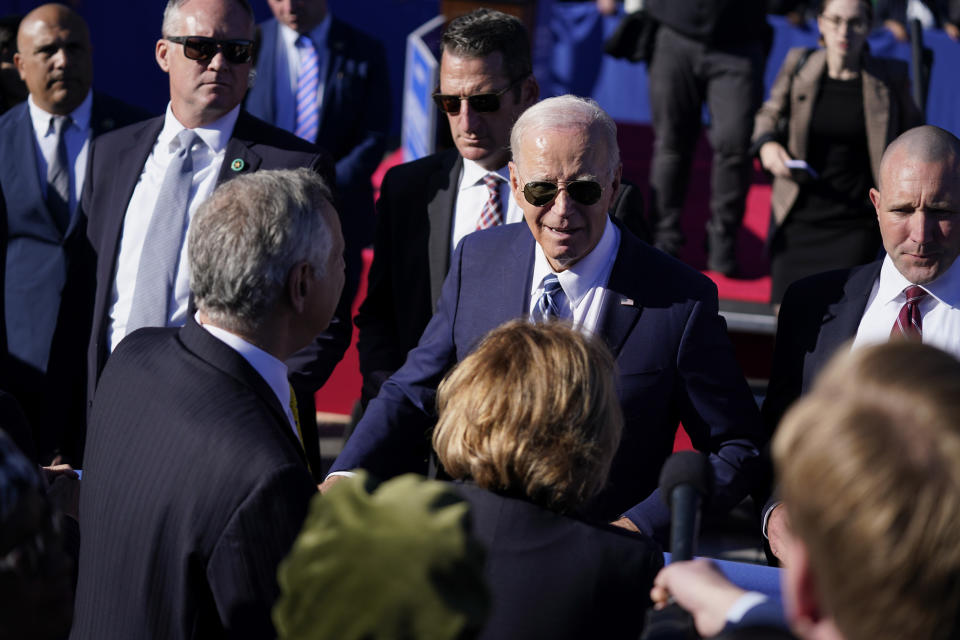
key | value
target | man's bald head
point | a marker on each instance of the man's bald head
(53, 57)
(927, 144)
(918, 203)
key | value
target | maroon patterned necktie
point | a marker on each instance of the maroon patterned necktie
(909, 326)
(492, 214)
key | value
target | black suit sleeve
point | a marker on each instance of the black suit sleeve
(243, 566)
(378, 343)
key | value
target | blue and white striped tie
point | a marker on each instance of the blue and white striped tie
(551, 300)
(308, 87)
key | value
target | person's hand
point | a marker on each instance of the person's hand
(626, 523)
(607, 7)
(700, 588)
(897, 29)
(774, 157)
(325, 486)
(778, 528)
(63, 488)
(952, 31)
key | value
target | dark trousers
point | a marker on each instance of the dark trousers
(684, 74)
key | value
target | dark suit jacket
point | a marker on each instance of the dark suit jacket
(194, 489)
(661, 323)
(817, 316)
(354, 114)
(557, 577)
(116, 161)
(412, 256)
(48, 287)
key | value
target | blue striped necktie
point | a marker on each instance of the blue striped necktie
(308, 88)
(551, 300)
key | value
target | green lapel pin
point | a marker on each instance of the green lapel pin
(238, 164)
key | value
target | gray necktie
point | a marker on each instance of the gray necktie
(551, 300)
(58, 176)
(157, 272)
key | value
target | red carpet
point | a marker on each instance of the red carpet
(636, 143)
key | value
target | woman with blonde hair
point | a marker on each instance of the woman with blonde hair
(528, 426)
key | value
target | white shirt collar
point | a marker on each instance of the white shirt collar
(215, 134)
(945, 289)
(587, 273)
(473, 173)
(317, 34)
(272, 370)
(41, 118)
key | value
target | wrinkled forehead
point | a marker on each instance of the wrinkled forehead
(553, 146)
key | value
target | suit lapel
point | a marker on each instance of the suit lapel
(803, 95)
(622, 305)
(239, 156)
(221, 356)
(443, 185)
(334, 55)
(126, 176)
(876, 111)
(841, 319)
(22, 168)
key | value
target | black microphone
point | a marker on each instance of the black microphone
(686, 482)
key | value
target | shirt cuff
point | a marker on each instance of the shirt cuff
(744, 603)
(766, 519)
(345, 474)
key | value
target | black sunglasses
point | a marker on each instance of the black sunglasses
(203, 49)
(482, 102)
(542, 192)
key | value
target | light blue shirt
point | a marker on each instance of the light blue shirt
(584, 284)
(287, 67)
(76, 138)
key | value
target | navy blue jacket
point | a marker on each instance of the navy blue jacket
(674, 357)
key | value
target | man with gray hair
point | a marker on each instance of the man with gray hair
(146, 182)
(196, 482)
(571, 262)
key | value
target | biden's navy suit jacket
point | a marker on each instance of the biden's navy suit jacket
(674, 358)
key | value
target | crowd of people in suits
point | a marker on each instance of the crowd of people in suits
(177, 288)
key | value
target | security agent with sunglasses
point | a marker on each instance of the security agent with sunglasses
(326, 81)
(570, 261)
(148, 180)
(427, 206)
(49, 274)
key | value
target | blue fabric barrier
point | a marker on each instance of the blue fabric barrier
(752, 577)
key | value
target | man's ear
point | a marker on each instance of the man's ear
(516, 188)
(875, 199)
(802, 599)
(298, 285)
(18, 63)
(615, 183)
(529, 92)
(162, 54)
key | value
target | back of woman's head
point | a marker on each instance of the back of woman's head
(532, 411)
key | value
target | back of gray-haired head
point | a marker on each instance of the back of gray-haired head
(568, 112)
(171, 14)
(245, 239)
(485, 31)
